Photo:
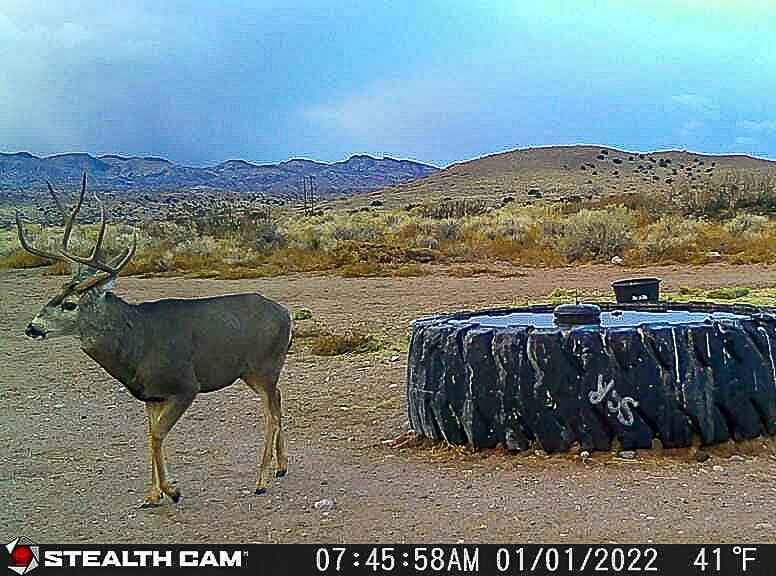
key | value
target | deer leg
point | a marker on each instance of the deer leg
(170, 412)
(155, 494)
(280, 449)
(266, 387)
(269, 443)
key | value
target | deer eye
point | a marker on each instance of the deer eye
(69, 306)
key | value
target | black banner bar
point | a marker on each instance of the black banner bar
(24, 556)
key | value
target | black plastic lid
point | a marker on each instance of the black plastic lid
(636, 282)
(577, 314)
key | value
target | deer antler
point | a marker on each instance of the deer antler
(68, 217)
(93, 260)
(63, 255)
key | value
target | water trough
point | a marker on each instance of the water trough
(529, 377)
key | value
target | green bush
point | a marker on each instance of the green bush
(591, 234)
(302, 314)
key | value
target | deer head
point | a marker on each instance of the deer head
(93, 276)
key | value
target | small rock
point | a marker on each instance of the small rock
(701, 456)
(718, 468)
(395, 358)
(584, 456)
(627, 454)
(617, 260)
(737, 458)
(325, 505)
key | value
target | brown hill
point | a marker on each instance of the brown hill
(561, 171)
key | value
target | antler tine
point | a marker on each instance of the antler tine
(101, 235)
(116, 265)
(93, 260)
(57, 201)
(45, 254)
(124, 259)
(69, 218)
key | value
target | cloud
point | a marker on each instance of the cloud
(697, 104)
(745, 140)
(757, 127)
(435, 117)
(387, 110)
(689, 128)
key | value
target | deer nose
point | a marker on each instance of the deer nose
(34, 332)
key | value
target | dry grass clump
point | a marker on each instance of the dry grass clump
(333, 344)
(409, 271)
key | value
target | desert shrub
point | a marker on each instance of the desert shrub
(449, 208)
(729, 193)
(267, 235)
(746, 226)
(592, 234)
(447, 229)
(672, 238)
(356, 229)
(333, 344)
(705, 200)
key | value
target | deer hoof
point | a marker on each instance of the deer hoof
(176, 496)
(261, 490)
(280, 473)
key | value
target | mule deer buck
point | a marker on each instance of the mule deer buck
(165, 352)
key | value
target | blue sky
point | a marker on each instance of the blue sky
(199, 82)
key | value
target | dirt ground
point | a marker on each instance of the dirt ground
(73, 454)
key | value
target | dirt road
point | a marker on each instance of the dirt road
(73, 454)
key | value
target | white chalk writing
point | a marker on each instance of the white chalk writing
(616, 404)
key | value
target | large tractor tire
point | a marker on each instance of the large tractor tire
(520, 386)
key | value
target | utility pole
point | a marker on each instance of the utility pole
(308, 195)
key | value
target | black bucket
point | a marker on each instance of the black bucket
(637, 290)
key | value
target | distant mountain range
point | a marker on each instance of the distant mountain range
(358, 173)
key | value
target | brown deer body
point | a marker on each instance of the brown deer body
(167, 351)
